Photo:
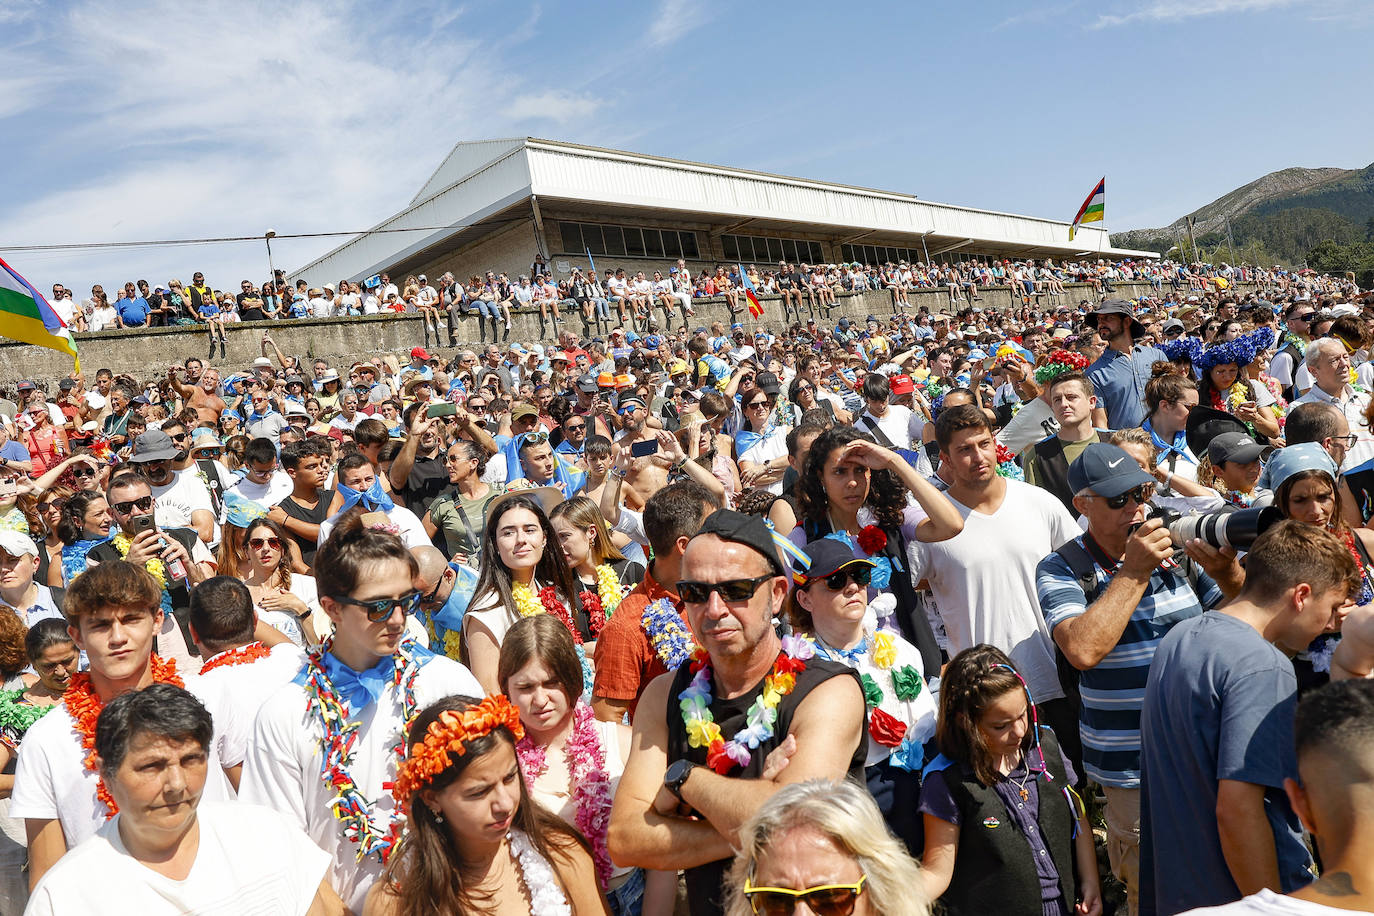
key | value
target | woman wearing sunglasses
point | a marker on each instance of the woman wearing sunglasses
(822, 844)
(761, 444)
(50, 506)
(830, 607)
(287, 601)
(523, 573)
(856, 490)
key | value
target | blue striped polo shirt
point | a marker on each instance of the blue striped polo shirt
(1113, 692)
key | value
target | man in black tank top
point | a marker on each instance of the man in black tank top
(680, 806)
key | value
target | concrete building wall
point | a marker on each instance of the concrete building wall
(146, 353)
(510, 251)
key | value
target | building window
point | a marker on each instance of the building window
(760, 250)
(878, 255)
(627, 241)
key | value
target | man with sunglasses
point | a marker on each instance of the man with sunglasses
(1297, 335)
(733, 583)
(1108, 597)
(176, 557)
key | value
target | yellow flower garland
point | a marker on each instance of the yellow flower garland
(608, 589)
(884, 650)
(526, 602)
(156, 568)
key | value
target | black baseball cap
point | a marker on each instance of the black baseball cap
(587, 384)
(749, 530)
(829, 556)
(768, 382)
(1107, 470)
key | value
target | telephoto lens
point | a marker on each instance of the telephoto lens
(1237, 530)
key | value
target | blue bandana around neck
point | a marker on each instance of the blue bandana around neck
(359, 688)
(374, 498)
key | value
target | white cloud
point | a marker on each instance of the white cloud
(1180, 10)
(675, 18)
(235, 117)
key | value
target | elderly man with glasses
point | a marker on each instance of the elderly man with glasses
(1109, 596)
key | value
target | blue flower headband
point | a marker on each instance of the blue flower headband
(1190, 347)
(1241, 351)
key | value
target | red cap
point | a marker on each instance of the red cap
(419, 353)
(902, 384)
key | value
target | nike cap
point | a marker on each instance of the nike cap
(1107, 470)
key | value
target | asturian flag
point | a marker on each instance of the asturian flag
(1091, 211)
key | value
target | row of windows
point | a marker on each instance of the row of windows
(627, 241)
(878, 255)
(757, 250)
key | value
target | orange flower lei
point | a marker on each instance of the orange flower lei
(84, 705)
(243, 655)
(447, 735)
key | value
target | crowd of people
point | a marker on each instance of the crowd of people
(901, 613)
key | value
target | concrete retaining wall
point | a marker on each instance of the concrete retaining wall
(342, 340)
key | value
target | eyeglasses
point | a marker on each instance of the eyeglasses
(433, 597)
(381, 608)
(260, 543)
(179, 437)
(803, 389)
(823, 900)
(142, 504)
(1141, 494)
(729, 590)
(1349, 439)
(859, 574)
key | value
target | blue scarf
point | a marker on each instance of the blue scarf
(374, 499)
(1179, 446)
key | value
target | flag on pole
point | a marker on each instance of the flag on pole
(755, 309)
(26, 316)
(1091, 211)
(592, 263)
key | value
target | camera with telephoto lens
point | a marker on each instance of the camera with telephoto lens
(1237, 529)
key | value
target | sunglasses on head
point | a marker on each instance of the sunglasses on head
(729, 590)
(538, 438)
(259, 543)
(142, 504)
(381, 608)
(1141, 494)
(823, 900)
(859, 573)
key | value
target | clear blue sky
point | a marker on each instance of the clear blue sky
(155, 119)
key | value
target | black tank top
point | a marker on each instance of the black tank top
(705, 883)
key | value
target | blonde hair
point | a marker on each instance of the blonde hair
(582, 512)
(847, 814)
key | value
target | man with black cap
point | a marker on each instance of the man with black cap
(1120, 373)
(1108, 597)
(703, 734)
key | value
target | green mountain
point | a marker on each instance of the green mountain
(1281, 217)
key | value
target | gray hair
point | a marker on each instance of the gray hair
(1320, 348)
(845, 812)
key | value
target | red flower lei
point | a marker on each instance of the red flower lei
(872, 539)
(243, 655)
(84, 705)
(596, 614)
(548, 596)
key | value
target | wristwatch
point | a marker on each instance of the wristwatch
(676, 776)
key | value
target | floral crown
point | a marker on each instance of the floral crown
(1190, 347)
(1058, 363)
(448, 735)
(1240, 351)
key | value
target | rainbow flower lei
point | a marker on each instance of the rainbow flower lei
(670, 639)
(591, 785)
(702, 730)
(337, 744)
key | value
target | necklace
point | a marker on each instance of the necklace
(84, 706)
(702, 730)
(670, 639)
(591, 786)
(880, 649)
(542, 885)
(1021, 789)
(340, 732)
(1366, 593)
(601, 604)
(240, 655)
(547, 603)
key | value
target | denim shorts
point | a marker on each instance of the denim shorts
(628, 898)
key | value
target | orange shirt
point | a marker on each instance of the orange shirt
(625, 659)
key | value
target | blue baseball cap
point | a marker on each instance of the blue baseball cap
(653, 341)
(1107, 470)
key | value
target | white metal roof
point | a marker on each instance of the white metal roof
(479, 179)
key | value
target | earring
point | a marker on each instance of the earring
(438, 818)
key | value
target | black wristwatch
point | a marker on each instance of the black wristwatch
(676, 775)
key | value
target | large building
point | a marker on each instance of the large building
(499, 203)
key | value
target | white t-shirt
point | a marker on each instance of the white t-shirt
(250, 862)
(267, 495)
(178, 499)
(895, 424)
(235, 693)
(51, 779)
(773, 445)
(1268, 903)
(983, 580)
(282, 769)
(303, 587)
(412, 531)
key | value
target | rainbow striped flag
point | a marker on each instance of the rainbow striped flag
(1091, 211)
(26, 316)
(755, 308)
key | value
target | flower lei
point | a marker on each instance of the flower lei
(156, 568)
(1366, 592)
(546, 893)
(242, 655)
(84, 705)
(601, 604)
(586, 762)
(17, 717)
(907, 684)
(337, 743)
(670, 639)
(1058, 363)
(1006, 464)
(546, 603)
(447, 736)
(702, 730)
